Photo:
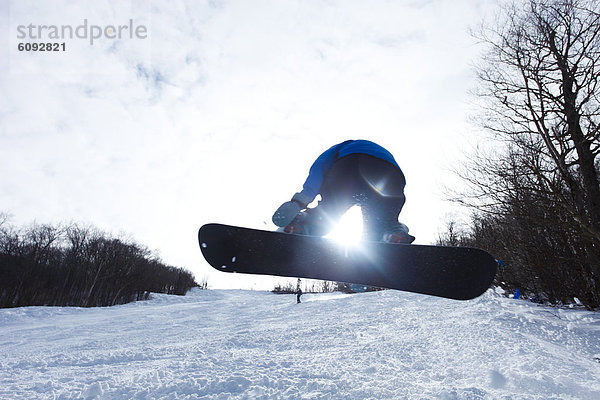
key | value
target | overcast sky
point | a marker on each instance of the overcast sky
(218, 112)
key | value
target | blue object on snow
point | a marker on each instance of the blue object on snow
(517, 294)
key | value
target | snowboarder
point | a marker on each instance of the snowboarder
(354, 172)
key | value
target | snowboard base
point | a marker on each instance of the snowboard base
(459, 273)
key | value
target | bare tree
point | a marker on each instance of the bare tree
(4, 218)
(540, 86)
(539, 99)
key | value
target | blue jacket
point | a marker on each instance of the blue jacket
(322, 164)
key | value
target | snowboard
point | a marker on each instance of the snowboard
(460, 273)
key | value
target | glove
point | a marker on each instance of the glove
(288, 210)
(286, 213)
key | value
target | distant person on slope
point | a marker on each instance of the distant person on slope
(298, 291)
(354, 172)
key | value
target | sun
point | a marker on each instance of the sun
(348, 230)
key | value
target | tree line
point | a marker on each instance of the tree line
(78, 265)
(320, 286)
(535, 187)
(307, 286)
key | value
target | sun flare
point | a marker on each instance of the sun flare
(348, 230)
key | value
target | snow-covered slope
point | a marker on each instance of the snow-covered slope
(243, 344)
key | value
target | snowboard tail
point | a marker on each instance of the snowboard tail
(460, 273)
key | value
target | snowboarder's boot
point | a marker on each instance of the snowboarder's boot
(399, 234)
(307, 222)
(298, 226)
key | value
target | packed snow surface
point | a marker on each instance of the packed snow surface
(242, 344)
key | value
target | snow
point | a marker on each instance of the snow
(222, 344)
